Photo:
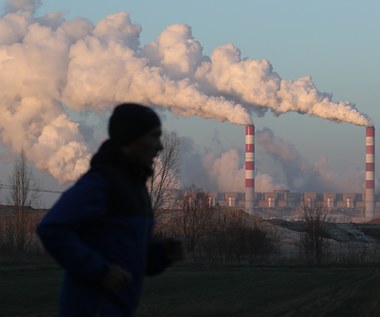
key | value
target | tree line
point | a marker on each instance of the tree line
(209, 234)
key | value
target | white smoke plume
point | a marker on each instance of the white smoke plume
(193, 170)
(286, 165)
(228, 173)
(279, 165)
(48, 62)
(223, 172)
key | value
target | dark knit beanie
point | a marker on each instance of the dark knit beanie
(130, 121)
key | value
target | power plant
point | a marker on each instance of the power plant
(369, 195)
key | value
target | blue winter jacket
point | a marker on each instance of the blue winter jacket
(105, 218)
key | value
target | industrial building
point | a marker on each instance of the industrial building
(367, 202)
(353, 204)
(364, 205)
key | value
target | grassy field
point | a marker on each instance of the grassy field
(232, 291)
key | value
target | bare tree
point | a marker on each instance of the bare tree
(24, 193)
(194, 220)
(164, 183)
(316, 225)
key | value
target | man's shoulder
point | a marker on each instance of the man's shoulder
(111, 175)
(108, 179)
(89, 190)
(92, 177)
(90, 181)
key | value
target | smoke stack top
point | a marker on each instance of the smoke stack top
(47, 62)
(370, 131)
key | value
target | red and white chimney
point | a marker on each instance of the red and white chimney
(370, 173)
(249, 167)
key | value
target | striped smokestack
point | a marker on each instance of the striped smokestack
(249, 167)
(370, 173)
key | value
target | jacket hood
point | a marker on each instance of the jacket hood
(111, 155)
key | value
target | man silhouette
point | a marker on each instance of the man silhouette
(100, 229)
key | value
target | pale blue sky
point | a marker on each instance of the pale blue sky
(336, 42)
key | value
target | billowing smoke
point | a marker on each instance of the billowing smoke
(226, 170)
(279, 165)
(286, 165)
(227, 173)
(220, 172)
(48, 63)
(192, 167)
